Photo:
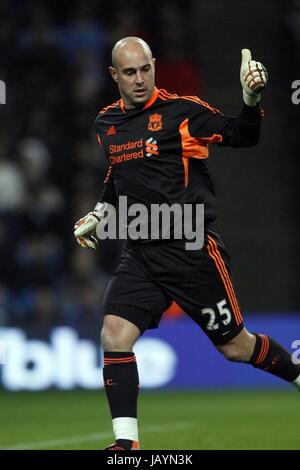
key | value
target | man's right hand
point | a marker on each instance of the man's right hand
(85, 228)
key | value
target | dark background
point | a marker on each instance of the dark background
(54, 59)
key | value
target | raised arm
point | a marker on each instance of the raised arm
(242, 131)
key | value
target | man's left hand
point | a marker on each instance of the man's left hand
(254, 77)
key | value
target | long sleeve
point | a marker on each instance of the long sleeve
(241, 131)
(108, 193)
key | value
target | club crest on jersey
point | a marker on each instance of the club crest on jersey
(155, 122)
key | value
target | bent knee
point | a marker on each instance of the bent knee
(240, 348)
(118, 334)
(231, 353)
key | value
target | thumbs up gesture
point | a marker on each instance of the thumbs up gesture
(253, 77)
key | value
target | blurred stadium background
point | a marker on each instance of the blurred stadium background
(54, 59)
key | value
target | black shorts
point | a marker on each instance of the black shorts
(151, 275)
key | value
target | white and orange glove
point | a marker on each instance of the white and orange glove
(85, 228)
(254, 77)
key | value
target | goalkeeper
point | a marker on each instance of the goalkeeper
(173, 134)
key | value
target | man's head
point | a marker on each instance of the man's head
(133, 70)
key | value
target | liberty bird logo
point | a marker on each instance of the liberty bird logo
(155, 122)
(2, 92)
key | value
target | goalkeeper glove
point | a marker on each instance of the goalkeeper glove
(85, 228)
(253, 77)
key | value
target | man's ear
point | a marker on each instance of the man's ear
(113, 73)
(154, 61)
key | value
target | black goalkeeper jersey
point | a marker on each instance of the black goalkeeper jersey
(157, 153)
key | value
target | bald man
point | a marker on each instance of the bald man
(156, 144)
(135, 82)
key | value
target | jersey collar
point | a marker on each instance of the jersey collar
(147, 105)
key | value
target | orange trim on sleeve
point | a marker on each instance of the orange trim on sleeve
(185, 162)
(165, 95)
(197, 100)
(107, 174)
(110, 106)
(195, 147)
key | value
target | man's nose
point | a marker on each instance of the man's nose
(139, 78)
